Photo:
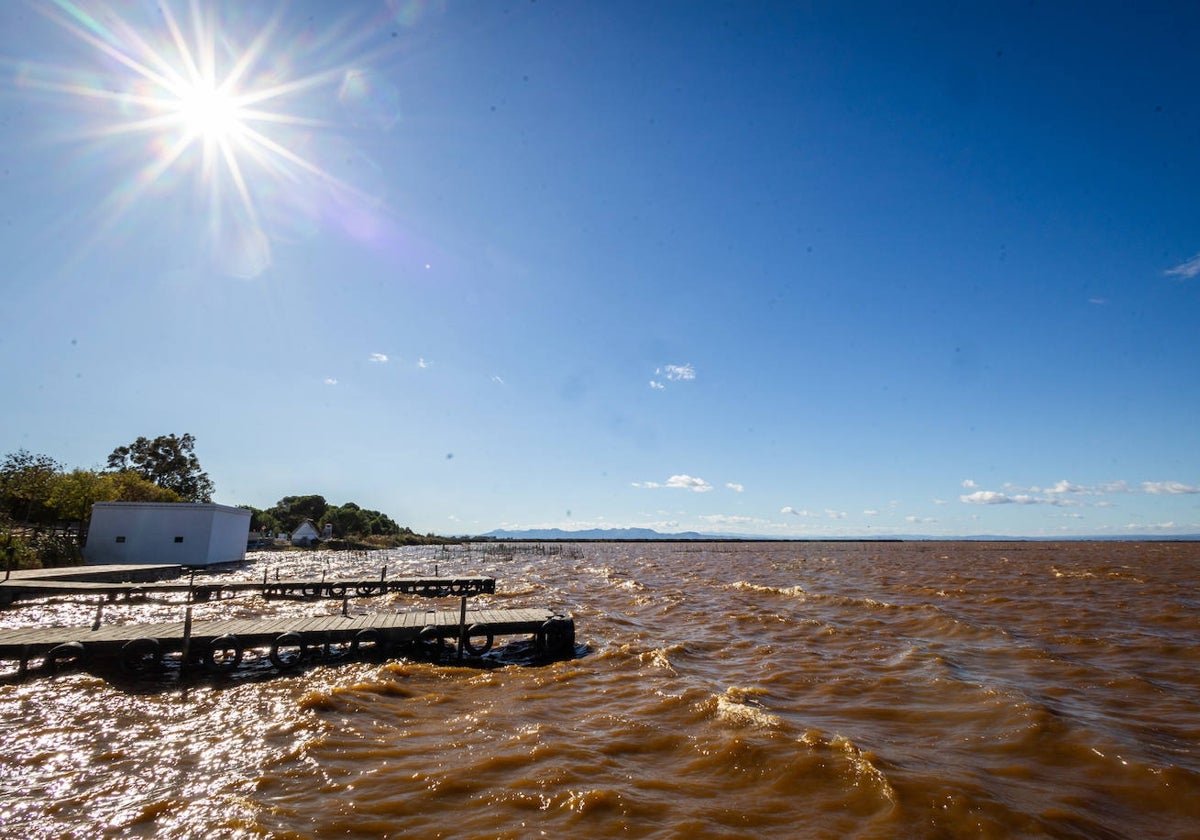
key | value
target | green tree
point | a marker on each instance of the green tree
(128, 486)
(168, 461)
(26, 481)
(290, 511)
(262, 520)
(347, 520)
(74, 493)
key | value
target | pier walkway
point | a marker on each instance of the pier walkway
(219, 645)
(203, 589)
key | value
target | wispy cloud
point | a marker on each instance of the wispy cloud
(424, 363)
(736, 488)
(1068, 494)
(497, 380)
(1186, 270)
(379, 358)
(730, 519)
(330, 381)
(809, 514)
(677, 373)
(677, 482)
(672, 373)
(1168, 488)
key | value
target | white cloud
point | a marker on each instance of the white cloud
(687, 482)
(870, 512)
(1153, 527)
(736, 488)
(803, 514)
(497, 380)
(1186, 270)
(920, 520)
(993, 497)
(379, 358)
(728, 519)
(1065, 494)
(677, 482)
(1168, 488)
(672, 373)
(835, 514)
(422, 363)
(330, 381)
(1065, 486)
(986, 497)
(1096, 301)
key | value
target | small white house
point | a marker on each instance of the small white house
(305, 533)
(159, 532)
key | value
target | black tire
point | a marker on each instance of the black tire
(337, 590)
(141, 656)
(556, 637)
(366, 590)
(286, 640)
(431, 644)
(368, 643)
(59, 656)
(478, 630)
(226, 643)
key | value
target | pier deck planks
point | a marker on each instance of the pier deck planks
(28, 587)
(106, 641)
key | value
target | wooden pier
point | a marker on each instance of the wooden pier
(220, 645)
(203, 589)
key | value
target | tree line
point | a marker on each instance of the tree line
(350, 521)
(44, 505)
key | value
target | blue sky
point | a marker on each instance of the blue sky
(825, 269)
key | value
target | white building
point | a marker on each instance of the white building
(305, 533)
(157, 532)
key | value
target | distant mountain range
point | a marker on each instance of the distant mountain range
(650, 534)
(596, 534)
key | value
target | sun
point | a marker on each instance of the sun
(207, 91)
(210, 113)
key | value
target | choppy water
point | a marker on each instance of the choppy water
(869, 690)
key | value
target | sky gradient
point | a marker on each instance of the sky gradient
(795, 269)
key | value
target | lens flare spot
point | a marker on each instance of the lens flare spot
(244, 252)
(369, 100)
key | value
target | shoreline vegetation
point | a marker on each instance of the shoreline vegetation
(46, 507)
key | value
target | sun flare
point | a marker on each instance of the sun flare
(212, 96)
(208, 112)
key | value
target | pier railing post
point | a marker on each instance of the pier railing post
(99, 612)
(462, 626)
(187, 643)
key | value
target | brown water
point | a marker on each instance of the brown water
(722, 690)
